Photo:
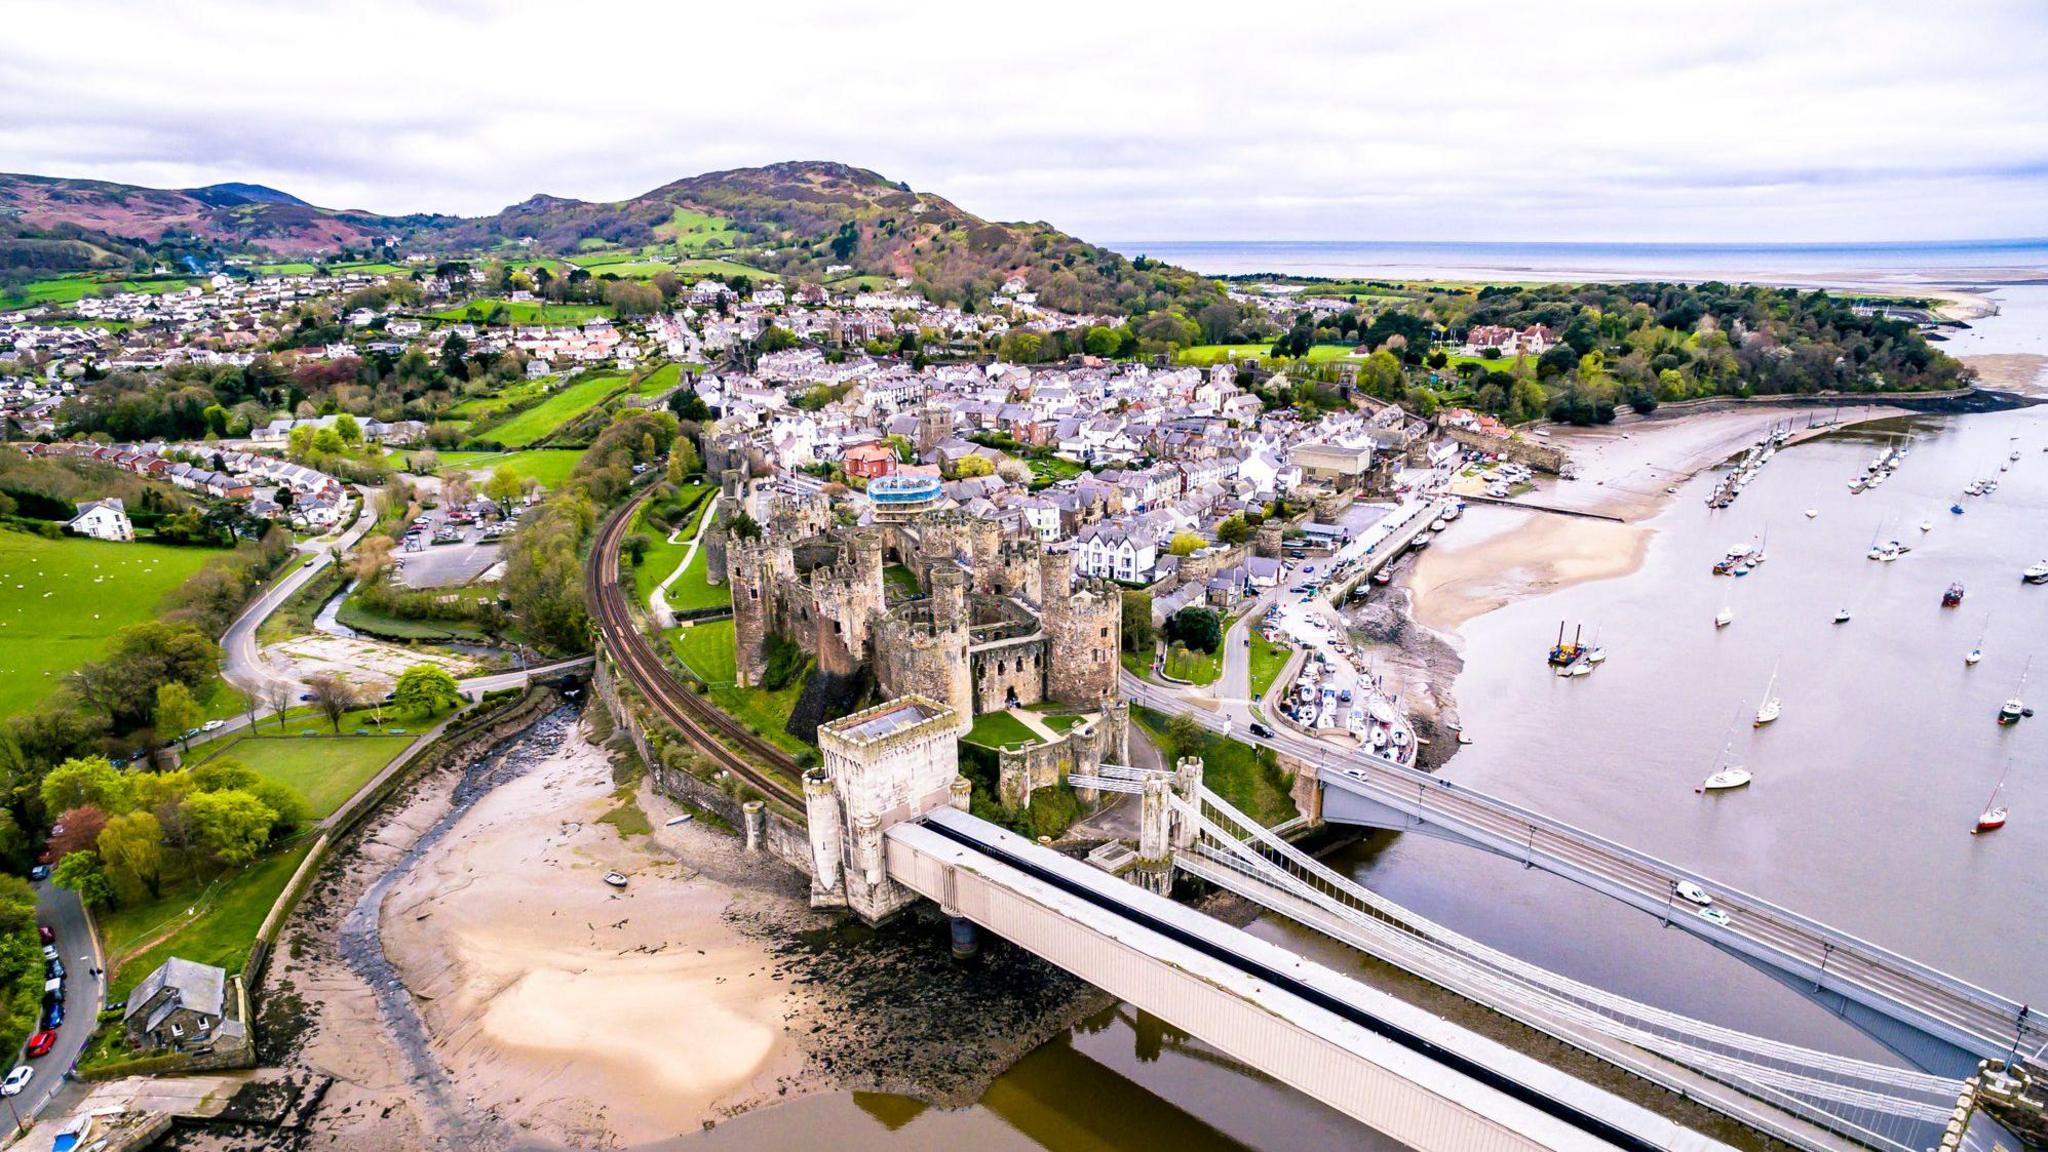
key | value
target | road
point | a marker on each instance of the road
(60, 910)
(1942, 1003)
(245, 667)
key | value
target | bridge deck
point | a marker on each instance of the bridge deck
(1420, 1080)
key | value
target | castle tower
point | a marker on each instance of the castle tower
(890, 763)
(732, 498)
(752, 609)
(1055, 575)
(1084, 628)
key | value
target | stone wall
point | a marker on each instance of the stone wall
(1009, 674)
(1541, 457)
(1083, 749)
(1082, 634)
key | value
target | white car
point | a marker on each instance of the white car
(1688, 891)
(213, 725)
(1713, 916)
(16, 1080)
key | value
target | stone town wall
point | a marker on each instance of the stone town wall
(1083, 749)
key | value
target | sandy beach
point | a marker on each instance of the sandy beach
(2022, 372)
(1625, 470)
(580, 1012)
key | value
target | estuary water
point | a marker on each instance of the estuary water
(1860, 815)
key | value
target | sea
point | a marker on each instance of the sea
(1927, 263)
(1865, 789)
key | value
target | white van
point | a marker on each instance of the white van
(1692, 893)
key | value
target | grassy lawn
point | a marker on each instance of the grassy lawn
(521, 312)
(765, 712)
(292, 268)
(549, 467)
(550, 414)
(662, 557)
(1195, 667)
(1138, 664)
(326, 770)
(1267, 659)
(707, 650)
(1249, 778)
(632, 269)
(1203, 355)
(72, 289)
(996, 729)
(212, 922)
(691, 590)
(1062, 721)
(660, 380)
(898, 580)
(354, 615)
(61, 599)
(223, 701)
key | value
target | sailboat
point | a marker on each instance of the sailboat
(1976, 651)
(1726, 775)
(2009, 713)
(1769, 709)
(1995, 811)
(1724, 617)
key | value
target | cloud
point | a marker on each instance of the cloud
(1462, 120)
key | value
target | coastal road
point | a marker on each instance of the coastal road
(1932, 1000)
(60, 910)
(245, 667)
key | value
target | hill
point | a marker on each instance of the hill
(803, 220)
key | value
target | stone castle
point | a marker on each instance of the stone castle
(998, 622)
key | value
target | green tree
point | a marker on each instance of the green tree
(346, 427)
(1234, 530)
(1186, 544)
(970, 467)
(505, 486)
(85, 780)
(230, 828)
(132, 845)
(328, 442)
(1196, 627)
(425, 689)
(177, 711)
(83, 873)
(1137, 633)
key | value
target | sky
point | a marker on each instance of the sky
(1119, 122)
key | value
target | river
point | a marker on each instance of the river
(1865, 792)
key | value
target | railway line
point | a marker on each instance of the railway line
(707, 729)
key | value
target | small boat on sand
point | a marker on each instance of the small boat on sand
(1953, 596)
(1992, 818)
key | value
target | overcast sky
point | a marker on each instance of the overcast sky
(1426, 121)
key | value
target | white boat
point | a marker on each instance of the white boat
(1581, 667)
(1927, 525)
(1379, 737)
(1812, 512)
(1992, 818)
(1727, 778)
(615, 879)
(1439, 524)
(1724, 617)
(1769, 709)
(2010, 712)
(1973, 655)
(2035, 573)
(1597, 655)
(1454, 511)
(1976, 651)
(1842, 615)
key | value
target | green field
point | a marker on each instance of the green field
(61, 599)
(662, 557)
(707, 650)
(1203, 355)
(692, 230)
(721, 268)
(485, 407)
(290, 268)
(326, 770)
(72, 289)
(691, 590)
(658, 381)
(522, 312)
(1267, 659)
(1249, 778)
(548, 466)
(544, 418)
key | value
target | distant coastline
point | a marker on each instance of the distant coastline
(1894, 267)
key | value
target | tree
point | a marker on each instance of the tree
(971, 466)
(327, 441)
(1196, 627)
(1137, 633)
(1185, 732)
(743, 526)
(332, 696)
(177, 711)
(278, 694)
(85, 780)
(1186, 544)
(83, 873)
(425, 689)
(229, 827)
(346, 427)
(81, 829)
(1234, 530)
(132, 846)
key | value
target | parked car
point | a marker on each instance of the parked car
(40, 1044)
(53, 1016)
(53, 969)
(49, 952)
(213, 725)
(1260, 730)
(16, 1080)
(39, 872)
(48, 933)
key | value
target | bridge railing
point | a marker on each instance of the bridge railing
(1354, 767)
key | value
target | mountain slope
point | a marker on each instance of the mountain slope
(233, 216)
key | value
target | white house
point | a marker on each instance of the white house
(103, 520)
(1112, 550)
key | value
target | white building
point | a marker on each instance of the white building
(103, 520)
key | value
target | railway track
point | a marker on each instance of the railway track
(706, 728)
